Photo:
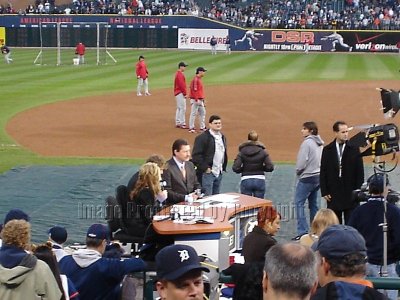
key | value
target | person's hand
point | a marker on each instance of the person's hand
(138, 77)
(328, 198)
(208, 171)
(194, 195)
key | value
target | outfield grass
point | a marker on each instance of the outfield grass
(25, 85)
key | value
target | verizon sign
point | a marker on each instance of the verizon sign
(198, 39)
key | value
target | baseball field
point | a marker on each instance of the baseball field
(73, 115)
(71, 134)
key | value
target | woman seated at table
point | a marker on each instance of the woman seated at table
(146, 199)
(257, 243)
(324, 218)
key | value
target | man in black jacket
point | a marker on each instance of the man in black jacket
(367, 219)
(210, 156)
(342, 171)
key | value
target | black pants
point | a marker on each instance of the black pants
(346, 213)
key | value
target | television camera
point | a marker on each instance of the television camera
(381, 139)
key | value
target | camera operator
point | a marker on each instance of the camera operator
(367, 219)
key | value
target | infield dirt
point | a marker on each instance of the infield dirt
(124, 125)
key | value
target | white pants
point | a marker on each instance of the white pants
(214, 49)
(197, 108)
(180, 110)
(7, 58)
(374, 271)
(81, 59)
(142, 82)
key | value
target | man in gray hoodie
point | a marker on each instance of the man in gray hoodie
(307, 169)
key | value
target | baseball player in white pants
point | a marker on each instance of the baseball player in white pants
(180, 111)
(198, 108)
(145, 83)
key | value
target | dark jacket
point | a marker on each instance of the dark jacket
(340, 188)
(256, 244)
(366, 219)
(203, 152)
(177, 186)
(252, 159)
(341, 290)
(139, 212)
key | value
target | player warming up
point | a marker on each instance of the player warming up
(80, 51)
(7, 53)
(142, 75)
(250, 36)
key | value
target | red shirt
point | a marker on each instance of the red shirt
(80, 49)
(141, 70)
(180, 83)
(196, 89)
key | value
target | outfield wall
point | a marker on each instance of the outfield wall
(187, 32)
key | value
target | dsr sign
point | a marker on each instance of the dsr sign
(291, 36)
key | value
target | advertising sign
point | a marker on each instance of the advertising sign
(199, 39)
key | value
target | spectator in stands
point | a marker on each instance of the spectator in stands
(22, 276)
(252, 161)
(44, 252)
(261, 239)
(324, 218)
(96, 277)
(367, 219)
(180, 174)
(179, 273)
(80, 51)
(15, 214)
(342, 254)
(289, 272)
(58, 236)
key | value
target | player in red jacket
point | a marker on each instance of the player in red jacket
(197, 101)
(180, 96)
(80, 51)
(142, 75)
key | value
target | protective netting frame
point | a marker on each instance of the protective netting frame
(101, 41)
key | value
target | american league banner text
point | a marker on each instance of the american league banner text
(197, 39)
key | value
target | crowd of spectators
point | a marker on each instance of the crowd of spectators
(292, 14)
(121, 7)
(308, 14)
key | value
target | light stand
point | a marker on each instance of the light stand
(384, 225)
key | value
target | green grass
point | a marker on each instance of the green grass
(25, 85)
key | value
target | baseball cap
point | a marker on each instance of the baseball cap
(375, 182)
(58, 234)
(338, 241)
(97, 231)
(16, 214)
(200, 69)
(182, 64)
(175, 261)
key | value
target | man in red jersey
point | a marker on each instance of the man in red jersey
(142, 75)
(197, 101)
(180, 96)
(80, 51)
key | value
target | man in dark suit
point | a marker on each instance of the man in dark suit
(180, 174)
(342, 171)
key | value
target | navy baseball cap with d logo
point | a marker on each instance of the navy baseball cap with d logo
(175, 261)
